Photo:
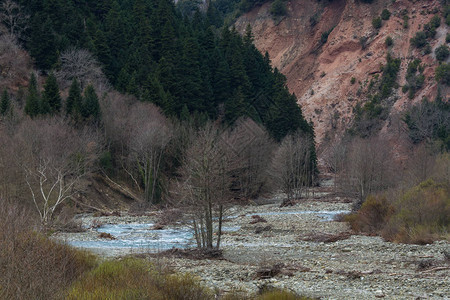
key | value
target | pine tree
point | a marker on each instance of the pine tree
(51, 99)
(42, 43)
(74, 100)
(91, 107)
(4, 103)
(32, 104)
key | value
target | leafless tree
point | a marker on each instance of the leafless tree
(149, 136)
(15, 63)
(139, 135)
(205, 184)
(54, 157)
(334, 157)
(81, 65)
(368, 169)
(12, 15)
(425, 118)
(292, 169)
(251, 149)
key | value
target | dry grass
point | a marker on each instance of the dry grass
(420, 215)
(136, 279)
(32, 266)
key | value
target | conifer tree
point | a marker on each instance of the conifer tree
(91, 107)
(4, 103)
(32, 104)
(51, 99)
(74, 100)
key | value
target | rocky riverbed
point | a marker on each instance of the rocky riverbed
(300, 248)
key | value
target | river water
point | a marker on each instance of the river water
(143, 237)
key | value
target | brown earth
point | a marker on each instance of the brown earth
(320, 75)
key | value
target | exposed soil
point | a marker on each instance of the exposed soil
(320, 74)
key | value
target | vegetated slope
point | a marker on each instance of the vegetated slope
(320, 68)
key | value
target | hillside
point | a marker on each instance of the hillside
(320, 74)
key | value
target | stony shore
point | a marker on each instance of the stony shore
(358, 267)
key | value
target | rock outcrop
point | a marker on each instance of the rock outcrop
(320, 72)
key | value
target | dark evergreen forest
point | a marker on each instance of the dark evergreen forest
(185, 61)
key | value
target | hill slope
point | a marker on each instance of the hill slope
(320, 72)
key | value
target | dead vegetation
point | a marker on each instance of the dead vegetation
(192, 253)
(105, 235)
(269, 271)
(257, 219)
(325, 237)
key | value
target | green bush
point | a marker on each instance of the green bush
(405, 21)
(353, 80)
(278, 8)
(443, 73)
(415, 81)
(446, 14)
(442, 52)
(435, 21)
(385, 14)
(136, 279)
(447, 38)
(324, 36)
(372, 215)
(389, 41)
(422, 214)
(419, 40)
(376, 23)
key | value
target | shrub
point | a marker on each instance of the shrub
(419, 40)
(314, 19)
(363, 42)
(447, 38)
(415, 82)
(353, 80)
(136, 279)
(442, 52)
(429, 30)
(443, 73)
(435, 21)
(372, 215)
(385, 14)
(422, 214)
(428, 120)
(278, 8)
(405, 21)
(376, 23)
(32, 266)
(446, 14)
(389, 41)
(324, 36)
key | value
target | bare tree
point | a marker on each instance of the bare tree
(15, 64)
(292, 168)
(334, 158)
(54, 157)
(368, 169)
(251, 150)
(82, 65)
(205, 185)
(149, 136)
(139, 135)
(12, 15)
